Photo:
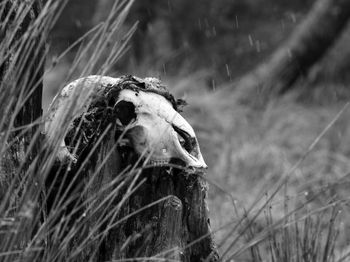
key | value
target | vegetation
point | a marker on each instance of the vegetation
(28, 231)
(292, 151)
(279, 175)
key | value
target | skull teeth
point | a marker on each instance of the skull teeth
(159, 162)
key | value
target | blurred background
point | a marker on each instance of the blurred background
(222, 40)
(200, 49)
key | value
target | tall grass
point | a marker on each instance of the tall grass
(29, 233)
(249, 150)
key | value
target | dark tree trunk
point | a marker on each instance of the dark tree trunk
(22, 68)
(307, 45)
(30, 62)
(21, 72)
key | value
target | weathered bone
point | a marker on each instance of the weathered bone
(156, 127)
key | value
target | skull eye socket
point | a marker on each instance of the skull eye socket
(125, 112)
(186, 141)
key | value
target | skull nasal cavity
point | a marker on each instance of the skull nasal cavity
(186, 141)
(125, 112)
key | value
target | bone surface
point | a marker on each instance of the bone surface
(142, 109)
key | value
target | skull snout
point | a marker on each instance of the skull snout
(187, 149)
(165, 143)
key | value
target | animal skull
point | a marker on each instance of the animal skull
(150, 122)
(155, 127)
